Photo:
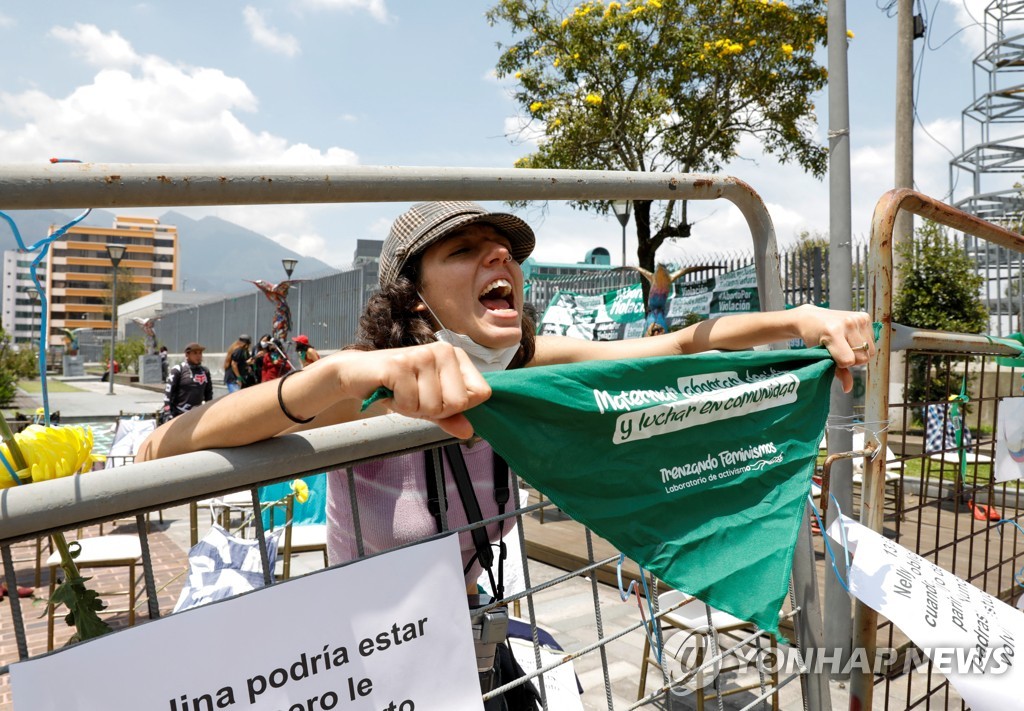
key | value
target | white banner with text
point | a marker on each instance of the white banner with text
(969, 635)
(391, 632)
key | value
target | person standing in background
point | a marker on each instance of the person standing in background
(189, 384)
(163, 363)
(237, 372)
(257, 358)
(307, 353)
(275, 361)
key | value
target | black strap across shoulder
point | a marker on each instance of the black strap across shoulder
(470, 504)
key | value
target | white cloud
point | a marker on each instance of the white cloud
(145, 109)
(291, 226)
(379, 228)
(267, 36)
(151, 111)
(797, 202)
(6, 21)
(376, 8)
(969, 16)
(525, 132)
(305, 243)
(564, 236)
(96, 47)
(288, 225)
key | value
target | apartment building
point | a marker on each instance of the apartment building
(79, 274)
(21, 307)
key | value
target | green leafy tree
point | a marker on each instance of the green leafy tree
(663, 85)
(942, 291)
(1013, 300)
(15, 364)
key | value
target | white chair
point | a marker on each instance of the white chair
(129, 434)
(220, 508)
(692, 617)
(893, 480)
(100, 552)
(954, 458)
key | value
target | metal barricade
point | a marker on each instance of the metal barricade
(31, 512)
(933, 504)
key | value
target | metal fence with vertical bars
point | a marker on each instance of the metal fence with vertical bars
(936, 517)
(138, 488)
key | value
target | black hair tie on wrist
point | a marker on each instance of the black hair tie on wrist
(280, 400)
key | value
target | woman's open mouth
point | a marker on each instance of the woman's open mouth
(497, 296)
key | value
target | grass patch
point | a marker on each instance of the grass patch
(54, 386)
(949, 471)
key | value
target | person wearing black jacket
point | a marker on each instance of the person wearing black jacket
(189, 383)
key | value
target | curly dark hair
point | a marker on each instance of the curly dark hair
(390, 321)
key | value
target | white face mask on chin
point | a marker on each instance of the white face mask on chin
(485, 359)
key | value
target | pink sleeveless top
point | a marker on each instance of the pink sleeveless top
(392, 500)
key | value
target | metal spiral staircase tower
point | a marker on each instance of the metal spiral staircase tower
(992, 136)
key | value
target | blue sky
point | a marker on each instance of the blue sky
(402, 82)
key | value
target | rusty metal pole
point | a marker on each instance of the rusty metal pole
(865, 620)
(880, 295)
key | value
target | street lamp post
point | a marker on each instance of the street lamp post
(289, 266)
(116, 253)
(621, 209)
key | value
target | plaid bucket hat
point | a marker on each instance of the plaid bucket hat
(425, 223)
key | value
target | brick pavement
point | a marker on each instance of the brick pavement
(169, 560)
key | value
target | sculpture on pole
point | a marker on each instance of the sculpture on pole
(278, 296)
(657, 300)
(146, 324)
(70, 339)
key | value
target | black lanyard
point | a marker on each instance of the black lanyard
(470, 504)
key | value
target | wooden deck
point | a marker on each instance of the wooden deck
(561, 542)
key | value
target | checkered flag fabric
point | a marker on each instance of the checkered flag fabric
(940, 430)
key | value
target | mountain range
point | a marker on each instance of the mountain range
(215, 255)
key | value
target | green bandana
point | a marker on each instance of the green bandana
(1015, 340)
(698, 468)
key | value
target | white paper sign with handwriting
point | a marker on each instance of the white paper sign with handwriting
(970, 636)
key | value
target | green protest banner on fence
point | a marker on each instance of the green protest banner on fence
(619, 313)
(696, 467)
(610, 316)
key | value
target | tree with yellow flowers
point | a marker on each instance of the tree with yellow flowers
(664, 86)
